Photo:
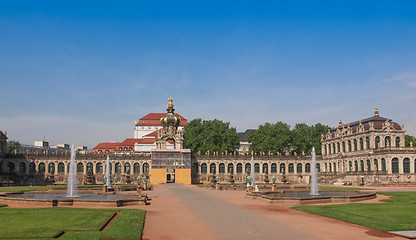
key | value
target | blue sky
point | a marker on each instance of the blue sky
(82, 71)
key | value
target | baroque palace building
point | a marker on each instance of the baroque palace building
(369, 151)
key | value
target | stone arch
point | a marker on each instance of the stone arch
(212, 168)
(395, 166)
(406, 165)
(61, 167)
(299, 168)
(204, 168)
(230, 168)
(22, 168)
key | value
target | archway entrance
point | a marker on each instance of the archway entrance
(170, 177)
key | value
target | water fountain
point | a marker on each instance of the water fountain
(107, 173)
(72, 184)
(253, 178)
(314, 178)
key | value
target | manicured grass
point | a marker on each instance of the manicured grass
(79, 223)
(395, 215)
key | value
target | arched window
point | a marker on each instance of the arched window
(329, 148)
(212, 168)
(343, 146)
(367, 139)
(330, 167)
(22, 168)
(204, 168)
(326, 149)
(406, 165)
(326, 167)
(318, 167)
(350, 166)
(80, 168)
(99, 168)
(368, 165)
(349, 146)
(61, 167)
(265, 168)
(145, 168)
(355, 144)
(282, 168)
(51, 168)
(239, 168)
(395, 165)
(247, 168)
(222, 168)
(335, 167)
(333, 147)
(299, 168)
(356, 165)
(41, 167)
(292, 167)
(127, 168)
(274, 168)
(230, 168)
(89, 166)
(387, 141)
(377, 142)
(383, 164)
(397, 141)
(361, 144)
(308, 167)
(256, 168)
(338, 147)
(11, 167)
(136, 167)
(32, 168)
(376, 164)
(361, 166)
(118, 167)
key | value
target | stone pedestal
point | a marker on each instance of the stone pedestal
(116, 188)
(217, 187)
(105, 189)
(139, 189)
(274, 188)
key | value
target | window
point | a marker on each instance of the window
(22, 168)
(282, 168)
(326, 149)
(383, 164)
(361, 166)
(222, 168)
(248, 168)
(118, 167)
(308, 167)
(292, 168)
(32, 168)
(265, 168)
(377, 142)
(80, 168)
(367, 139)
(204, 168)
(333, 147)
(361, 144)
(349, 146)
(145, 168)
(256, 168)
(368, 165)
(61, 167)
(356, 166)
(406, 165)
(299, 167)
(395, 165)
(99, 168)
(338, 147)
(230, 168)
(212, 168)
(89, 166)
(355, 145)
(274, 168)
(397, 141)
(376, 164)
(343, 146)
(350, 166)
(127, 168)
(329, 148)
(387, 141)
(239, 168)
(335, 167)
(318, 167)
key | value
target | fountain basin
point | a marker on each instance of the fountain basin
(304, 197)
(81, 200)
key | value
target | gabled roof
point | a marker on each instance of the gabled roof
(150, 135)
(153, 119)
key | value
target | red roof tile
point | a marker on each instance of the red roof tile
(153, 119)
(106, 146)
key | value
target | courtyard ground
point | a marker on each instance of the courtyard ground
(188, 212)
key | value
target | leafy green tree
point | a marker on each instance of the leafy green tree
(211, 135)
(302, 138)
(270, 137)
(409, 139)
(12, 146)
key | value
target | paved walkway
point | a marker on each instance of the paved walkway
(188, 212)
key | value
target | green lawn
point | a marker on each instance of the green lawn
(80, 223)
(396, 215)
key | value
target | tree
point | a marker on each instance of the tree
(270, 137)
(211, 135)
(409, 139)
(12, 147)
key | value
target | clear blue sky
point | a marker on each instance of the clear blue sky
(82, 71)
